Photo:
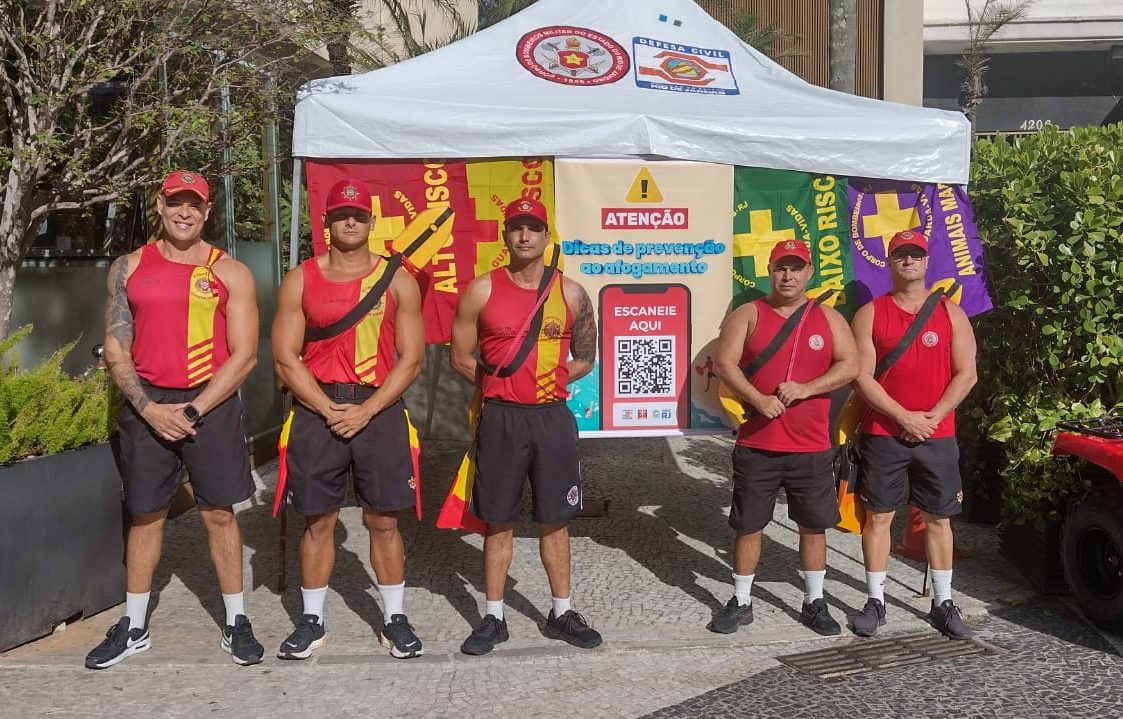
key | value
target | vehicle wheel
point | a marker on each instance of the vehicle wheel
(1092, 554)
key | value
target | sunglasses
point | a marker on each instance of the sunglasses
(913, 253)
(348, 212)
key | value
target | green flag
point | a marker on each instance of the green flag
(775, 205)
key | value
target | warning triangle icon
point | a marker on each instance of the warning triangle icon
(644, 188)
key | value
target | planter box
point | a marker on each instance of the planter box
(1037, 555)
(62, 551)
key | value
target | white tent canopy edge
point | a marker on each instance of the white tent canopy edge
(476, 99)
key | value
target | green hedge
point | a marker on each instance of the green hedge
(44, 410)
(1050, 213)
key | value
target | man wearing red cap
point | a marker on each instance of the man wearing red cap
(181, 337)
(525, 428)
(348, 418)
(805, 352)
(908, 447)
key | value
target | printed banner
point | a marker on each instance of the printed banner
(775, 205)
(649, 241)
(477, 191)
(881, 208)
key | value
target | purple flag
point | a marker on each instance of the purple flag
(881, 208)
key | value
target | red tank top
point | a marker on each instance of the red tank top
(804, 426)
(918, 379)
(179, 319)
(364, 353)
(543, 375)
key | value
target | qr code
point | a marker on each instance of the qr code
(645, 366)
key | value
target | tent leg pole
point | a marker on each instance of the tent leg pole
(294, 213)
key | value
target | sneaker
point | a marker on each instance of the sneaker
(305, 638)
(945, 617)
(731, 616)
(571, 627)
(398, 637)
(489, 632)
(818, 617)
(866, 622)
(239, 641)
(120, 643)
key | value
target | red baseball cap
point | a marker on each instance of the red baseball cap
(525, 208)
(348, 193)
(905, 238)
(790, 248)
(186, 181)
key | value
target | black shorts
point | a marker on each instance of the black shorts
(930, 469)
(807, 479)
(514, 441)
(216, 458)
(378, 458)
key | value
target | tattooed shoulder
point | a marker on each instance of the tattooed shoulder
(584, 343)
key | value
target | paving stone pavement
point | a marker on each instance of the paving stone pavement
(648, 574)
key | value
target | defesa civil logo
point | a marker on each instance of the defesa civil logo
(572, 56)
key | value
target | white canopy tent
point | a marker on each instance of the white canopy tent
(515, 90)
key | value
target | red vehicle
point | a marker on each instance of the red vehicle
(1092, 539)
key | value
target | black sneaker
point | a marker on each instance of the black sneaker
(945, 617)
(866, 622)
(731, 616)
(489, 632)
(239, 641)
(818, 617)
(120, 643)
(305, 638)
(571, 627)
(398, 637)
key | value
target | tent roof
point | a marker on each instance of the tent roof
(593, 78)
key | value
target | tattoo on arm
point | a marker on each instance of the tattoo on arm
(119, 326)
(583, 346)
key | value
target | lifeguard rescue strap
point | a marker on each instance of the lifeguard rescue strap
(529, 330)
(371, 298)
(365, 305)
(910, 335)
(786, 329)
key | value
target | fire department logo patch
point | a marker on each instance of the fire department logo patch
(204, 288)
(412, 482)
(816, 342)
(959, 496)
(573, 496)
(349, 192)
(551, 328)
(789, 245)
(187, 178)
(572, 56)
(929, 339)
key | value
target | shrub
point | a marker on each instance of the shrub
(1050, 213)
(44, 410)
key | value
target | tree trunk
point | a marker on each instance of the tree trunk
(843, 43)
(7, 293)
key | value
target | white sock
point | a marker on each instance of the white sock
(136, 609)
(393, 597)
(875, 585)
(314, 601)
(495, 609)
(941, 585)
(813, 584)
(235, 605)
(743, 587)
(561, 606)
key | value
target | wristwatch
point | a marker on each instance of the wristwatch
(193, 416)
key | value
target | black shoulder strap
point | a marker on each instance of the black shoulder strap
(918, 323)
(365, 305)
(531, 336)
(781, 336)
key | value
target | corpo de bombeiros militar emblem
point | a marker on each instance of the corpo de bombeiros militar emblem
(572, 55)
